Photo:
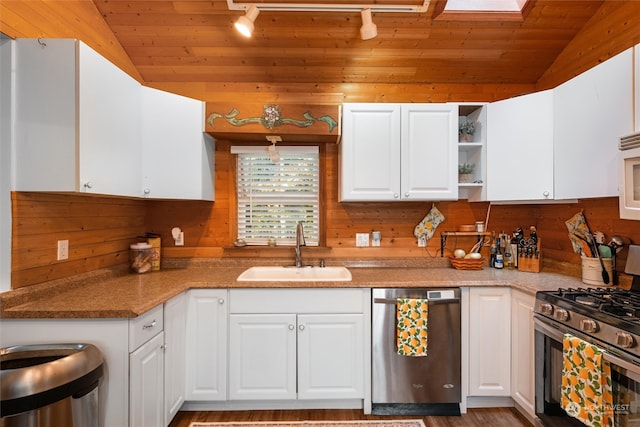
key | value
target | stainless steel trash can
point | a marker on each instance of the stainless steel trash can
(52, 385)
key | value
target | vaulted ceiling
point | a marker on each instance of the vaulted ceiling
(190, 47)
(194, 40)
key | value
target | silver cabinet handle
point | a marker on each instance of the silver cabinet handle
(221, 301)
(147, 190)
(149, 325)
(88, 184)
(301, 327)
(395, 195)
(291, 327)
(545, 193)
(406, 194)
(164, 347)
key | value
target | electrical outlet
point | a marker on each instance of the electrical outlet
(63, 250)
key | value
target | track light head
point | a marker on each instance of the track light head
(244, 24)
(368, 30)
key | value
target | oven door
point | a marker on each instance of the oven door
(625, 376)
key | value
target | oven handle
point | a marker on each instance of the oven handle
(558, 333)
(392, 301)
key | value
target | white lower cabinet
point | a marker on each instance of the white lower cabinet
(490, 341)
(330, 355)
(289, 356)
(146, 384)
(156, 364)
(522, 356)
(262, 356)
(206, 348)
(175, 325)
(298, 344)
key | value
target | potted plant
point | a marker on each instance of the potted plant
(466, 130)
(465, 172)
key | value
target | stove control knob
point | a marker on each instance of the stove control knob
(624, 340)
(588, 325)
(561, 314)
(546, 308)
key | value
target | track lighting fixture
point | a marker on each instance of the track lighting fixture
(368, 30)
(244, 24)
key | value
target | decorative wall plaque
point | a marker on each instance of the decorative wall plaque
(272, 117)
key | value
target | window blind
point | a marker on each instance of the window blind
(274, 196)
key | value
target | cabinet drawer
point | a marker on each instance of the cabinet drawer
(145, 327)
(298, 301)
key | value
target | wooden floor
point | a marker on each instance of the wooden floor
(494, 417)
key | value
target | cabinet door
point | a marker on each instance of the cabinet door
(591, 112)
(370, 152)
(520, 148)
(46, 120)
(522, 356)
(489, 341)
(178, 157)
(330, 356)
(206, 371)
(146, 385)
(175, 326)
(429, 152)
(262, 356)
(77, 120)
(109, 129)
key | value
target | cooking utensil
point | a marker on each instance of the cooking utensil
(616, 244)
(605, 273)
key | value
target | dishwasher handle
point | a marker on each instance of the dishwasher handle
(431, 301)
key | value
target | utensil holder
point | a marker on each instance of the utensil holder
(592, 271)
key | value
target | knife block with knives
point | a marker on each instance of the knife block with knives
(529, 258)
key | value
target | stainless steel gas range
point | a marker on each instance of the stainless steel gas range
(606, 317)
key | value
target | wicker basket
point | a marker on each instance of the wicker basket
(467, 263)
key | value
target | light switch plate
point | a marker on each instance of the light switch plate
(362, 239)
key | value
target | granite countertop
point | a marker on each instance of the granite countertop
(118, 294)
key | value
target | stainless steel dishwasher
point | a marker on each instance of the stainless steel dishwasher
(426, 385)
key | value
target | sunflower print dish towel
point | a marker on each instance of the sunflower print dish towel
(411, 331)
(586, 383)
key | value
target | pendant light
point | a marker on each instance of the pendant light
(244, 24)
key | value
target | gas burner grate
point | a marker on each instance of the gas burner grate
(616, 302)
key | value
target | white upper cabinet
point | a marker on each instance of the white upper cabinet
(370, 152)
(428, 152)
(77, 121)
(398, 152)
(177, 156)
(550, 145)
(520, 148)
(591, 112)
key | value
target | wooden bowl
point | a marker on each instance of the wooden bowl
(471, 227)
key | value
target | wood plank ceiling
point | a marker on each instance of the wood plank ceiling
(194, 41)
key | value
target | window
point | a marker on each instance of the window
(274, 196)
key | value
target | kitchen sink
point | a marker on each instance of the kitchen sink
(295, 274)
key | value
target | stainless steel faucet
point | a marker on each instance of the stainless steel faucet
(299, 242)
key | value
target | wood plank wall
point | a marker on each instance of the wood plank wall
(99, 228)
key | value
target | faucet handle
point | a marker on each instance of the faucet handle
(322, 263)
